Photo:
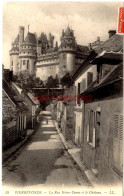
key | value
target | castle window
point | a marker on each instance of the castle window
(23, 62)
(50, 67)
(64, 56)
(27, 64)
(12, 63)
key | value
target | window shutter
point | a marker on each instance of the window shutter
(117, 142)
(91, 127)
(88, 124)
(89, 78)
(78, 88)
(121, 142)
(75, 95)
(83, 85)
(78, 100)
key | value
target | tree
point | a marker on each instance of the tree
(66, 80)
(56, 81)
(50, 82)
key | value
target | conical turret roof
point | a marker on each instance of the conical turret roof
(30, 38)
(68, 31)
(16, 41)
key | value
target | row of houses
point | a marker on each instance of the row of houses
(96, 126)
(20, 110)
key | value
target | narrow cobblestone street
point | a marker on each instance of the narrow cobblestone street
(43, 162)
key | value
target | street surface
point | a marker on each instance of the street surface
(43, 162)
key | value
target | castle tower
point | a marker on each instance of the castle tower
(14, 56)
(43, 42)
(51, 41)
(28, 54)
(67, 52)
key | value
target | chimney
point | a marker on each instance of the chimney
(98, 39)
(111, 33)
(21, 35)
(90, 46)
(7, 75)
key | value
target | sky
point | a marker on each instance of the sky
(87, 19)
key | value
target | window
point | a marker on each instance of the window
(12, 63)
(89, 78)
(25, 122)
(78, 99)
(117, 143)
(93, 128)
(23, 62)
(20, 64)
(97, 128)
(20, 122)
(27, 64)
(64, 56)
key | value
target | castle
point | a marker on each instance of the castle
(40, 57)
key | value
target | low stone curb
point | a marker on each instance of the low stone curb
(92, 181)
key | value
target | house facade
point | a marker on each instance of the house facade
(103, 116)
(32, 104)
(14, 113)
(96, 124)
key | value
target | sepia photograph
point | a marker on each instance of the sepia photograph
(62, 98)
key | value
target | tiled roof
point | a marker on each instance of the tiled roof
(36, 102)
(14, 97)
(82, 48)
(115, 44)
(112, 48)
(30, 38)
(115, 75)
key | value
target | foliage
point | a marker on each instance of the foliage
(28, 81)
(66, 80)
(52, 82)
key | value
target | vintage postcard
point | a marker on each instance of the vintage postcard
(62, 98)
